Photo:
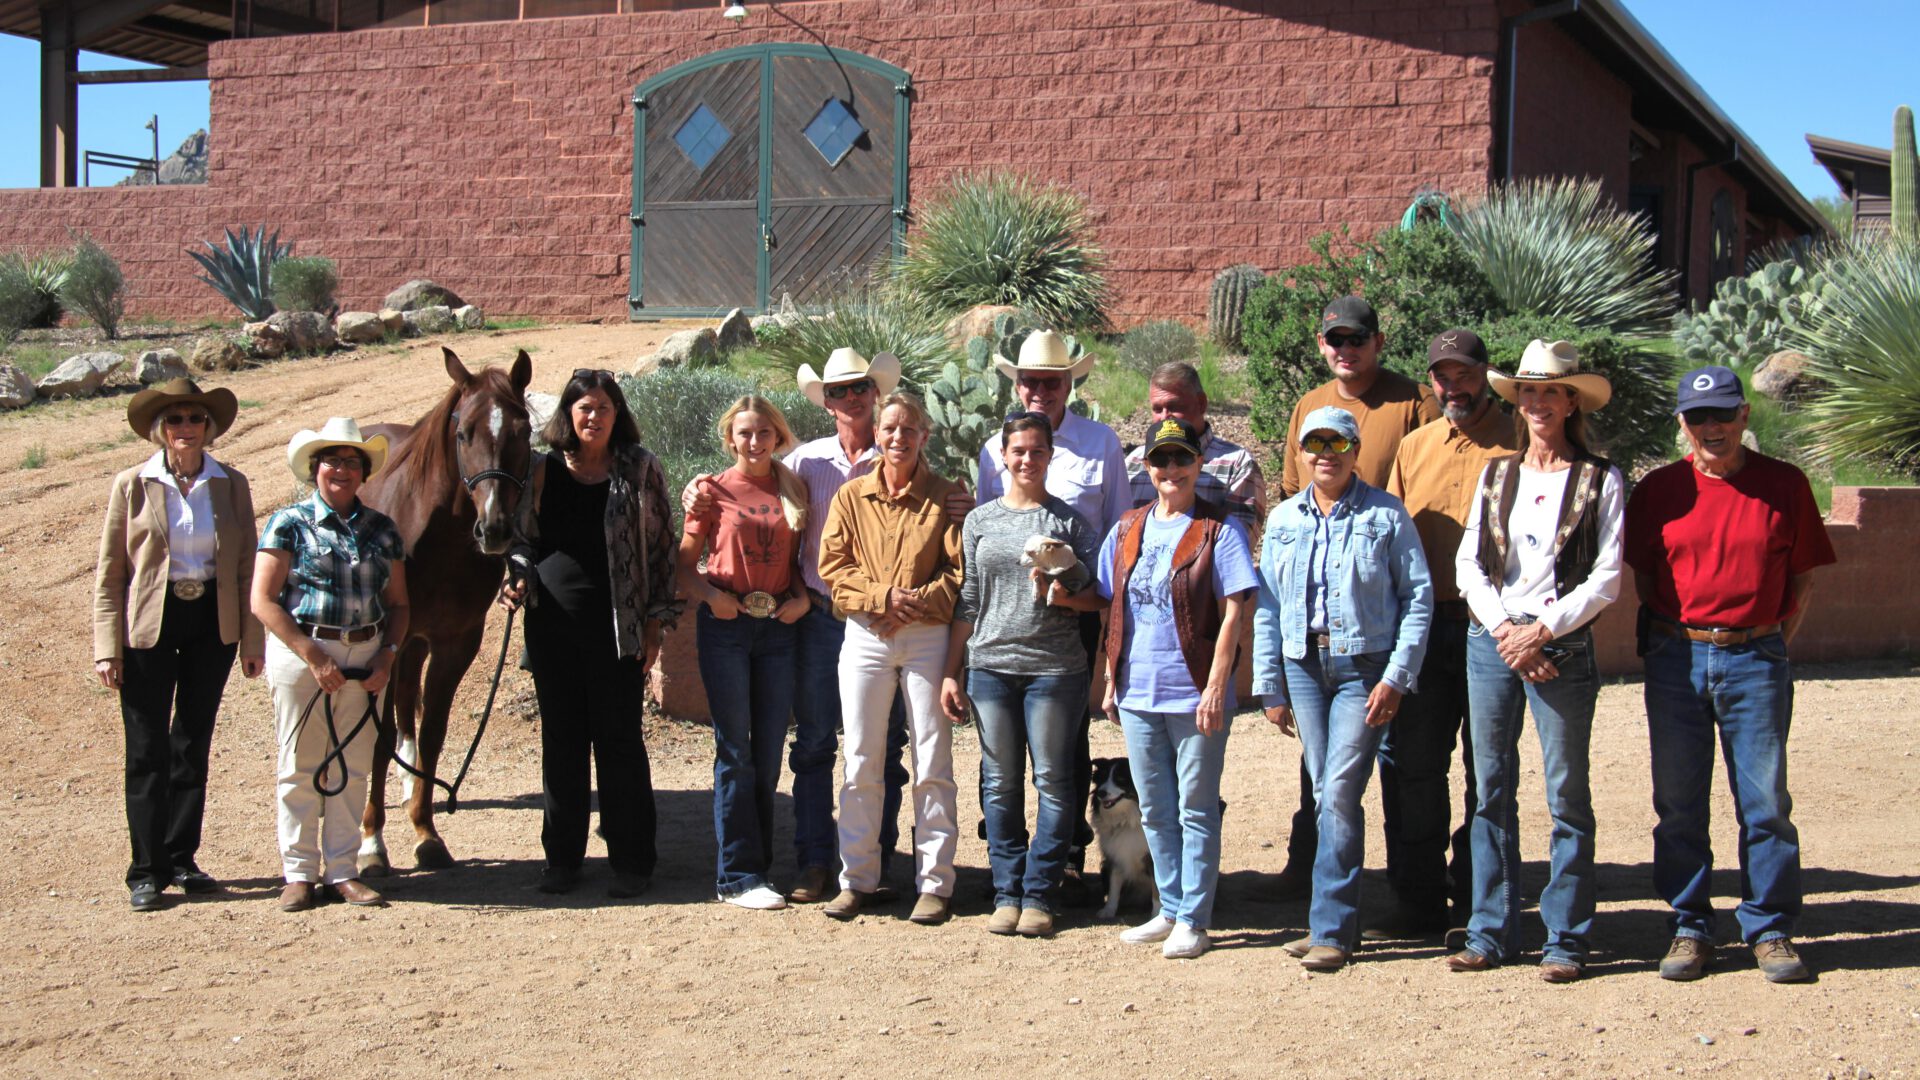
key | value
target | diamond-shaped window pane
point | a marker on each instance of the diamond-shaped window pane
(701, 137)
(833, 130)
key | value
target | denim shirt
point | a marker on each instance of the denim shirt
(1377, 592)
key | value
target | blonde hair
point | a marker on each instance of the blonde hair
(1577, 431)
(921, 421)
(793, 490)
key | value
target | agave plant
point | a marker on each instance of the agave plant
(1559, 248)
(1866, 348)
(1001, 238)
(243, 273)
(871, 319)
(43, 274)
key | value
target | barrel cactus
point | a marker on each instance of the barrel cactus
(1227, 301)
(1906, 212)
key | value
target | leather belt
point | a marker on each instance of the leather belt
(1715, 635)
(349, 635)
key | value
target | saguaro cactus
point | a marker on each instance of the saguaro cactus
(1906, 214)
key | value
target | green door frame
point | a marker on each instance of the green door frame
(636, 217)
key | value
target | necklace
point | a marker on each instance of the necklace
(185, 481)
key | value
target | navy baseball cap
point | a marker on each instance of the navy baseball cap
(1710, 388)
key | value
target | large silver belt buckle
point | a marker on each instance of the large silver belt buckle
(187, 589)
(760, 605)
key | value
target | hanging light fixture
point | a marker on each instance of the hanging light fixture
(734, 12)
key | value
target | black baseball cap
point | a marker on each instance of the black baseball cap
(1174, 431)
(1457, 344)
(1710, 388)
(1350, 313)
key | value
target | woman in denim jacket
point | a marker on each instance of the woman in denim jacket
(1338, 638)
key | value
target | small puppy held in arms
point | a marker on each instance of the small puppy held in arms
(1048, 557)
(1124, 858)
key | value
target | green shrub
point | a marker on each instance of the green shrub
(34, 458)
(95, 287)
(44, 274)
(1866, 349)
(19, 300)
(1001, 238)
(1423, 281)
(871, 319)
(304, 283)
(1559, 248)
(1149, 345)
(1637, 427)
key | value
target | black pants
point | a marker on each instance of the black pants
(590, 713)
(1414, 797)
(169, 696)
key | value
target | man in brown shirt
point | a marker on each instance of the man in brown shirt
(1389, 406)
(1436, 473)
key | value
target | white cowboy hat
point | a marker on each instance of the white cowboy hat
(847, 365)
(1554, 362)
(337, 431)
(1046, 351)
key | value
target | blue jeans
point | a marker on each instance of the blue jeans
(1747, 692)
(1177, 771)
(1329, 694)
(747, 665)
(1022, 715)
(1563, 717)
(816, 739)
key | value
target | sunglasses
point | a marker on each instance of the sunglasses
(1341, 341)
(182, 419)
(344, 463)
(1041, 382)
(858, 386)
(1711, 415)
(1317, 444)
(1170, 459)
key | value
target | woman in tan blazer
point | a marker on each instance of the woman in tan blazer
(169, 612)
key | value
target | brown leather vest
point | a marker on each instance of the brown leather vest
(1576, 536)
(1196, 610)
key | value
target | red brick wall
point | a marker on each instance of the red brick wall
(1572, 116)
(496, 157)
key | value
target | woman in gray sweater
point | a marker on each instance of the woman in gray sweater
(1028, 560)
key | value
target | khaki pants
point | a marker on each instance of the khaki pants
(319, 837)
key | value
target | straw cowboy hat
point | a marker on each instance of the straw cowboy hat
(337, 431)
(147, 404)
(1045, 352)
(1554, 362)
(847, 365)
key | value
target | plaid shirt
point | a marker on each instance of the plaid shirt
(1229, 477)
(340, 564)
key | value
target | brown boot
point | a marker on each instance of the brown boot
(929, 910)
(846, 905)
(297, 896)
(815, 885)
(1324, 958)
(358, 893)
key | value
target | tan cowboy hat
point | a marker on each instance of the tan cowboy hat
(1554, 362)
(847, 365)
(1045, 352)
(337, 431)
(151, 402)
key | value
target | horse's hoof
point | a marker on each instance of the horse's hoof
(373, 865)
(432, 855)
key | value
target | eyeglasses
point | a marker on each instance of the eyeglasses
(1317, 444)
(182, 419)
(1709, 414)
(344, 463)
(1170, 459)
(858, 386)
(1341, 341)
(1041, 382)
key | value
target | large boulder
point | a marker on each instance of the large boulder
(1785, 376)
(468, 317)
(160, 365)
(432, 319)
(540, 408)
(688, 348)
(81, 375)
(305, 331)
(975, 322)
(15, 388)
(359, 327)
(734, 332)
(217, 354)
(265, 341)
(420, 293)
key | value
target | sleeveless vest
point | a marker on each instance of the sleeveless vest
(1196, 610)
(1576, 536)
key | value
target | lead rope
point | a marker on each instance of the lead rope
(453, 789)
(337, 747)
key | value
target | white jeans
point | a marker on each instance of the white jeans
(870, 670)
(305, 838)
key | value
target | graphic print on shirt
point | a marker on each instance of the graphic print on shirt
(758, 539)
(1150, 590)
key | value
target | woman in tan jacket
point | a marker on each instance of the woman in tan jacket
(169, 612)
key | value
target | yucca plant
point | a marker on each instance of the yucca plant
(1866, 348)
(1002, 238)
(94, 286)
(872, 319)
(44, 274)
(243, 271)
(1559, 248)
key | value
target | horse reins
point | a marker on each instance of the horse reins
(453, 789)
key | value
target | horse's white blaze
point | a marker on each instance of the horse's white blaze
(489, 510)
(405, 748)
(497, 421)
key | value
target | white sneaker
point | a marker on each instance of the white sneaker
(1185, 943)
(759, 898)
(1154, 929)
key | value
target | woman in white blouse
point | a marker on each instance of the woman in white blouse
(1539, 561)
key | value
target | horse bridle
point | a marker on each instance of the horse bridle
(519, 482)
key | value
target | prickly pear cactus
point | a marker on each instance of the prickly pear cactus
(1227, 301)
(1752, 317)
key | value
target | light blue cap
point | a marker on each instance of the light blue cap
(1331, 418)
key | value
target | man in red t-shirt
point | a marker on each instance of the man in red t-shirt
(1723, 546)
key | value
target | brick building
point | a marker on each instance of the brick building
(545, 160)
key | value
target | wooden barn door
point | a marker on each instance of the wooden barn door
(762, 171)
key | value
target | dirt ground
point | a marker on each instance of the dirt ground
(471, 971)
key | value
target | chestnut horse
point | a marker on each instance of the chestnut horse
(452, 484)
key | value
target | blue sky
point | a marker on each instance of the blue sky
(1779, 68)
